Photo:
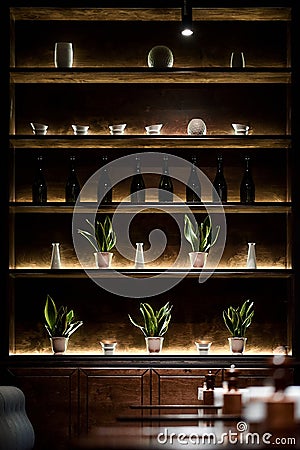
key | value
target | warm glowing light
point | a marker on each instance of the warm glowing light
(175, 351)
(187, 32)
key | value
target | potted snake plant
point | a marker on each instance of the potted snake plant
(201, 237)
(156, 324)
(60, 325)
(237, 321)
(102, 237)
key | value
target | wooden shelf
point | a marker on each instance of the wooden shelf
(148, 75)
(144, 141)
(150, 208)
(150, 14)
(145, 273)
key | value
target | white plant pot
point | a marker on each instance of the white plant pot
(237, 345)
(154, 344)
(198, 259)
(59, 345)
(103, 259)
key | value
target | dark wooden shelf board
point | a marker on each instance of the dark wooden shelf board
(145, 273)
(144, 142)
(150, 208)
(148, 75)
(150, 14)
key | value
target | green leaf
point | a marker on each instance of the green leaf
(59, 322)
(103, 238)
(155, 322)
(203, 236)
(50, 312)
(191, 234)
(237, 320)
(136, 325)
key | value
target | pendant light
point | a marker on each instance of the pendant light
(186, 19)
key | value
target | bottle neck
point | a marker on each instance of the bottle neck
(220, 166)
(247, 165)
(166, 167)
(138, 166)
(39, 164)
(72, 165)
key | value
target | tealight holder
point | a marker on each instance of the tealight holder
(39, 128)
(80, 129)
(203, 347)
(108, 347)
(117, 129)
(154, 129)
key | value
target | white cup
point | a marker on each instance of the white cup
(117, 129)
(240, 128)
(80, 129)
(63, 54)
(154, 129)
(39, 128)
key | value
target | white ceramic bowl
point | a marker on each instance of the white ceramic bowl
(39, 128)
(154, 129)
(117, 129)
(240, 128)
(80, 129)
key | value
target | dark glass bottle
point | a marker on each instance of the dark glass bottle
(165, 185)
(247, 187)
(104, 190)
(72, 188)
(219, 183)
(137, 187)
(39, 185)
(193, 187)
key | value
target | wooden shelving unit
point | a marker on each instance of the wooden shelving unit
(108, 84)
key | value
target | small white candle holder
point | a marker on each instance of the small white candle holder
(108, 347)
(203, 347)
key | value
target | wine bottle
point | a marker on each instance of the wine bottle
(72, 188)
(104, 190)
(137, 184)
(39, 185)
(165, 193)
(219, 183)
(193, 187)
(247, 187)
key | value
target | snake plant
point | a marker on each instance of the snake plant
(102, 238)
(156, 323)
(59, 322)
(237, 320)
(201, 236)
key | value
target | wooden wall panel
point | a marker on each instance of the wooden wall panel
(106, 394)
(178, 386)
(51, 403)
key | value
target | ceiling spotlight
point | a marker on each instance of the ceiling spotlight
(186, 19)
